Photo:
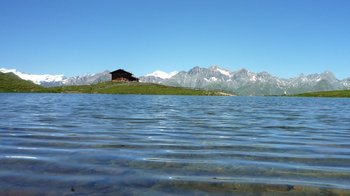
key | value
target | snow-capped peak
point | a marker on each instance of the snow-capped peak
(222, 71)
(162, 74)
(37, 79)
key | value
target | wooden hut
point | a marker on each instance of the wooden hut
(121, 75)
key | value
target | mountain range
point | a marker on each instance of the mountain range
(244, 82)
(241, 82)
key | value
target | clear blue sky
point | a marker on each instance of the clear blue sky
(73, 37)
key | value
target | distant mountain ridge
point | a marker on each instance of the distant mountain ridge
(241, 82)
(47, 80)
(10, 82)
(37, 79)
(244, 82)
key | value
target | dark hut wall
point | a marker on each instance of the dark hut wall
(121, 75)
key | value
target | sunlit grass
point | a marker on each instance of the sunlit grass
(131, 88)
(338, 93)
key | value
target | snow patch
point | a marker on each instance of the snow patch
(253, 78)
(218, 69)
(224, 72)
(162, 74)
(213, 79)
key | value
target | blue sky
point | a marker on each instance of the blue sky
(73, 37)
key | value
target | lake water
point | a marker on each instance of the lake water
(60, 144)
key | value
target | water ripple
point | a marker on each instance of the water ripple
(155, 145)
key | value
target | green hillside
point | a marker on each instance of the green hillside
(9, 82)
(338, 93)
(131, 88)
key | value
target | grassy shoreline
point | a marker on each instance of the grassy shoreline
(131, 88)
(337, 93)
(10, 83)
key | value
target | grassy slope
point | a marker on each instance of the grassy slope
(131, 88)
(339, 93)
(9, 82)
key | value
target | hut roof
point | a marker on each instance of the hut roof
(120, 71)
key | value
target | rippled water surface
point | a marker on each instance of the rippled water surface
(163, 145)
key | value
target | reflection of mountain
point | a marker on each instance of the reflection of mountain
(244, 82)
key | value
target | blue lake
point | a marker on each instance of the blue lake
(64, 144)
